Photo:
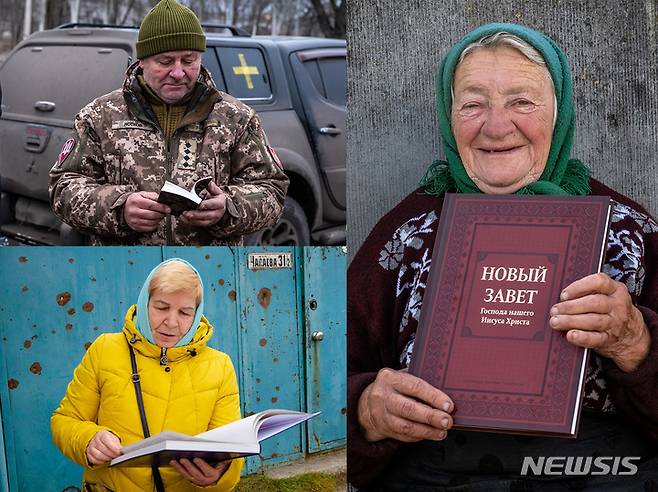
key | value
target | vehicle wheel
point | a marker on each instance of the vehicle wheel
(291, 230)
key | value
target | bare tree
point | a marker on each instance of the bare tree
(126, 12)
(256, 13)
(235, 12)
(27, 19)
(74, 8)
(337, 10)
(299, 17)
(284, 12)
(278, 13)
(111, 11)
(55, 13)
(298, 12)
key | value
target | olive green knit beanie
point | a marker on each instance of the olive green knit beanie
(169, 26)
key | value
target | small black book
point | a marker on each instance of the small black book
(179, 199)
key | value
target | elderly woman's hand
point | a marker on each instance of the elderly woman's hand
(404, 407)
(199, 472)
(103, 447)
(598, 313)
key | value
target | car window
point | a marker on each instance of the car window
(328, 74)
(333, 71)
(211, 63)
(67, 79)
(313, 70)
(245, 73)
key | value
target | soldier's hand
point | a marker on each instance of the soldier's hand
(143, 212)
(210, 210)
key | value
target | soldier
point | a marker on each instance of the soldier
(167, 123)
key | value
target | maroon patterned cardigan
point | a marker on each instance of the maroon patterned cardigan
(386, 282)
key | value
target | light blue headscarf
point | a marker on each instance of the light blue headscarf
(142, 321)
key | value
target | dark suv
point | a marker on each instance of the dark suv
(296, 84)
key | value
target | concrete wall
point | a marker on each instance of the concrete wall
(395, 46)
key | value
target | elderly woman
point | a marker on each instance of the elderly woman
(505, 109)
(186, 386)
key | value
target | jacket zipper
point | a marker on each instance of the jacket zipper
(169, 232)
(164, 360)
(154, 121)
(168, 226)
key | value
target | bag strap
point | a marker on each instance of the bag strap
(157, 478)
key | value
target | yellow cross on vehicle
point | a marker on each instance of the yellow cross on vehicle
(245, 70)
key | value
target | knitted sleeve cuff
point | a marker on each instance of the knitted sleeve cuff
(366, 459)
(648, 368)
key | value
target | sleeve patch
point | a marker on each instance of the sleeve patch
(66, 151)
(275, 157)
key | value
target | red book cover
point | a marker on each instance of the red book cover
(499, 264)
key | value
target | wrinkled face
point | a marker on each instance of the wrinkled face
(502, 118)
(172, 74)
(170, 316)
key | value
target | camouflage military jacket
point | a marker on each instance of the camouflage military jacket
(117, 148)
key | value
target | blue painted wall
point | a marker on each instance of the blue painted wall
(55, 301)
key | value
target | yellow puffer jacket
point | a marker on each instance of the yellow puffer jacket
(194, 391)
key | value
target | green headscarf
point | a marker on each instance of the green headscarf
(561, 176)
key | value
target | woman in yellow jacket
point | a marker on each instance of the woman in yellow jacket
(186, 387)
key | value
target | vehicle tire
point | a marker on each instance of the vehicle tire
(291, 230)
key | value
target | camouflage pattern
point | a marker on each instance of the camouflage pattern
(119, 149)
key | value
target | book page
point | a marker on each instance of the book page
(170, 187)
(278, 423)
(239, 431)
(257, 427)
(158, 438)
(165, 451)
(241, 437)
(201, 185)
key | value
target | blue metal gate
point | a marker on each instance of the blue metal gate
(55, 301)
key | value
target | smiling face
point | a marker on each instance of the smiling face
(170, 315)
(172, 74)
(502, 118)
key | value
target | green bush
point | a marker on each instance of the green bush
(308, 482)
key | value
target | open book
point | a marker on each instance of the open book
(239, 438)
(180, 199)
